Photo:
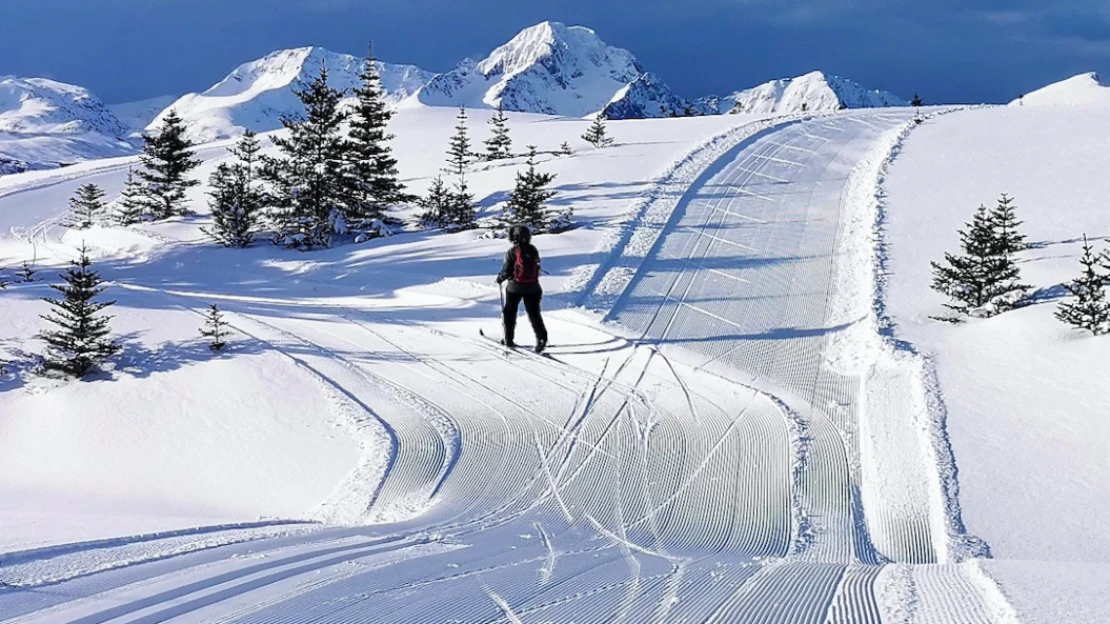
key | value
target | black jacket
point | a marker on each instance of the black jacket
(509, 267)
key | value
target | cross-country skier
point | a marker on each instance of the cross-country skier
(522, 271)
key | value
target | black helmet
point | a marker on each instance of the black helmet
(520, 234)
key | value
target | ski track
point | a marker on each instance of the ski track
(626, 492)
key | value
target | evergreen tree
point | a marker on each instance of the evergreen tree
(499, 145)
(311, 187)
(462, 211)
(436, 204)
(1090, 310)
(597, 135)
(565, 150)
(167, 160)
(528, 203)
(916, 101)
(981, 280)
(215, 328)
(1005, 223)
(458, 150)
(86, 207)
(82, 342)
(236, 199)
(27, 273)
(131, 205)
(375, 180)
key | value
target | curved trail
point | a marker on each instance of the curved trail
(623, 486)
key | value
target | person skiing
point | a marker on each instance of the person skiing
(522, 272)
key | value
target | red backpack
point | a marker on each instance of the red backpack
(527, 268)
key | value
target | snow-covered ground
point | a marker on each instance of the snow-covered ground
(1025, 396)
(722, 434)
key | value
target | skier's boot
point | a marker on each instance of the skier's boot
(541, 345)
(508, 343)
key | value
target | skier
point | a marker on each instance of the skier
(522, 271)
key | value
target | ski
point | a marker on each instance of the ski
(519, 349)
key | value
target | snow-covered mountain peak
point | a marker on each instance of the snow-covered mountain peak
(43, 106)
(1084, 89)
(815, 91)
(547, 68)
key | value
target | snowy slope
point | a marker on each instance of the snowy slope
(548, 68)
(1081, 90)
(812, 92)
(44, 123)
(644, 98)
(136, 116)
(1026, 397)
(256, 94)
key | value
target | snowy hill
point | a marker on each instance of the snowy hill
(814, 92)
(257, 94)
(136, 116)
(44, 123)
(646, 97)
(1084, 89)
(553, 69)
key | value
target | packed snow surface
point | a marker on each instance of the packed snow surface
(1082, 90)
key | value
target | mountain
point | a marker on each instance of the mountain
(137, 115)
(647, 96)
(552, 69)
(813, 92)
(257, 94)
(1084, 89)
(45, 123)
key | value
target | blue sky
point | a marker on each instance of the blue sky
(949, 50)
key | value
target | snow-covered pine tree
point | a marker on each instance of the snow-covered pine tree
(82, 341)
(1005, 223)
(236, 199)
(215, 328)
(981, 281)
(597, 134)
(461, 210)
(86, 207)
(458, 150)
(27, 274)
(565, 150)
(375, 180)
(309, 180)
(528, 203)
(499, 145)
(1090, 310)
(436, 204)
(131, 205)
(167, 159)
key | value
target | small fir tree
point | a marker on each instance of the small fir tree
(215, 328)
(916, 101)
(1090, 310)
(130, 206)
(462, 211)
(981, 280)
(598, 135)
(499, 145)
(458, 150)
(376, 183)
(82, 341)
(28, 273)
(167, 159)
(86, 207)
(528, 203)
(565, 150)
(1005, 223)
(310, 181)
(436, 204)
(236, 199)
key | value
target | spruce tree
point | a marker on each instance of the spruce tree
(436, 204)
(236, 199)
(167, 159)
(528, 203)
(597, 135)
(458, 150)
(461, 210)
(374, 177)
(130, 206)
(27, 273)
(916, 101)
(981, 280)
(1090, 310)
(86, 207)
(565, 150)
(215, 328)
(311, 187)
(82, 342)
(1005, 223)
(499, 145)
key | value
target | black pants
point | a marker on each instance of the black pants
(532, 306)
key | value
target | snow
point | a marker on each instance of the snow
(257, 94)
(1024, 395)
(45, 123)
(548, 68)
(813, 92)
(136, 116)
(1082, 90)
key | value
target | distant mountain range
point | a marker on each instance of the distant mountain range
(549, 68)
(1082, 90)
